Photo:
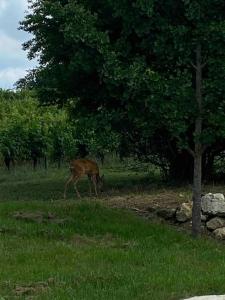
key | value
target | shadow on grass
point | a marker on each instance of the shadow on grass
(42, 185)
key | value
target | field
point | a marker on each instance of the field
(92, 248)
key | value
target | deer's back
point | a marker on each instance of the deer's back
(84, 166)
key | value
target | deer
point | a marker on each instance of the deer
(80, 168)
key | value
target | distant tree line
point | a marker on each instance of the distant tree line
(32, 133)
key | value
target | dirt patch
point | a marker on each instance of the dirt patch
(107, 240)
(33, 288)
(39, 217)
(83, 240)
(159, 207)
(167, 199)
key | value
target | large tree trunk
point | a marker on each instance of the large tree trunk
(197, 190)
(197, 179)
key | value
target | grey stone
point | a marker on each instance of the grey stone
(215, 223)
(219, 233)
(184, 212)
(213, 204)
(203, 218)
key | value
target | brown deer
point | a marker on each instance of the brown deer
(80, 168)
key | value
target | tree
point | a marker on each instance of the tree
(142, 63)
(28, 131)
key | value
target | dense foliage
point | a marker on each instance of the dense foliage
(130, 64)
(30, 132)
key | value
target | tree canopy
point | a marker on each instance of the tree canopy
(131, 64)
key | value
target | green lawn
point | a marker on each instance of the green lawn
(24, 184)
(87, 250)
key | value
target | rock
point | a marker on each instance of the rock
(215, 223)
(166, 213)
(219, 196)
(184, 213)
(219, 233)
(213, 204)
(203, 218)
(209, 297)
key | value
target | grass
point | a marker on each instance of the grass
(96, 252)
(24, 184)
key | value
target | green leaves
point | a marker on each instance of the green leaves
(26, 128)
(129, 65)
(30, 131)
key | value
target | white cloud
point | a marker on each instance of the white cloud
(24, 4)
(13, 60)
(8, 44)
(3, 5)
(9, 76)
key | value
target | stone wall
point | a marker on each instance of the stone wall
(213, 214)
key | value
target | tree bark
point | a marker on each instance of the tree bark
(197, 191)
(197, 179)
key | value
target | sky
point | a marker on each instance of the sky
(13, 60)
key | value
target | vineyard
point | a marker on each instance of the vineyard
(39, 135)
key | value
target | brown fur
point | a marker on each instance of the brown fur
(80, 168)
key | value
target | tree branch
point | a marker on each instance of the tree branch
(194, 66)
(202, 66)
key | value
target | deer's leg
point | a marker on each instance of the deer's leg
(66, 185)
(89, 182)
(94, 180)
(75, 186)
